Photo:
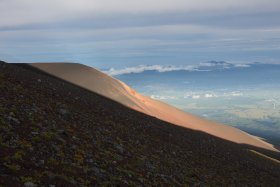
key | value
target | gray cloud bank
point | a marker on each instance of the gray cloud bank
(20, 13)
(107, 33)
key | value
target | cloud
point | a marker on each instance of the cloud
(107, 33)
(161, 97)
(232, 94)
(274, 102)
(208, 95)
(196, 96)
(207, 66)
(28, 12)
(142, 68)
(242, 65)
(211, 94)
(175, 5)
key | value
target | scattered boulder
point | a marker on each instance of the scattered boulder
(63, 111)
(98, 172)
(34, 133)
(119, 148)
(29, 184)
(42, 162)
(62, 132)
(13, 120)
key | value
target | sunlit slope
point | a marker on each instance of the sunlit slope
(114, 89)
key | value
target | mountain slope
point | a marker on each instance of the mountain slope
(107, 86)
(55, 133)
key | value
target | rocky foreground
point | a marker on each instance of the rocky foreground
(53, 133)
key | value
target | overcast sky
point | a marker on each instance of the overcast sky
(122, 33)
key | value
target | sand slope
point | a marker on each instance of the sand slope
(112, 88)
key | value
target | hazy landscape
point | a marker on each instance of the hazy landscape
(245, 96)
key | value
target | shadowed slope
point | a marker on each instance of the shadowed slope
(53, 132)
(107, 86)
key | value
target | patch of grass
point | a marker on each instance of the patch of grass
(2, 121)
(79, 157)
(52, 162)
(13, 111)
(25, 179)
(12, 167)
(18, 155)
(36, 139)
(47, 135)
(25, 144)
(1, 142)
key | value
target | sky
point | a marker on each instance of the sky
(128, 33)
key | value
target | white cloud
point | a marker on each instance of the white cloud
(242, 65)
(142, 68)
(208, 66)
(192, 95)
(274, 102)
(211, 94)
(195, 96)
(161, 97)
(208, 95)
(205, 66)
(233, 94)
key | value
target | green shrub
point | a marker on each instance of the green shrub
(24, 179)
(12, 167)
(18, 155)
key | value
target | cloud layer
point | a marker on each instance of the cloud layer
(142, 68)
(198, 95)
(20, 12)
(207, 66)
(114, 33)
